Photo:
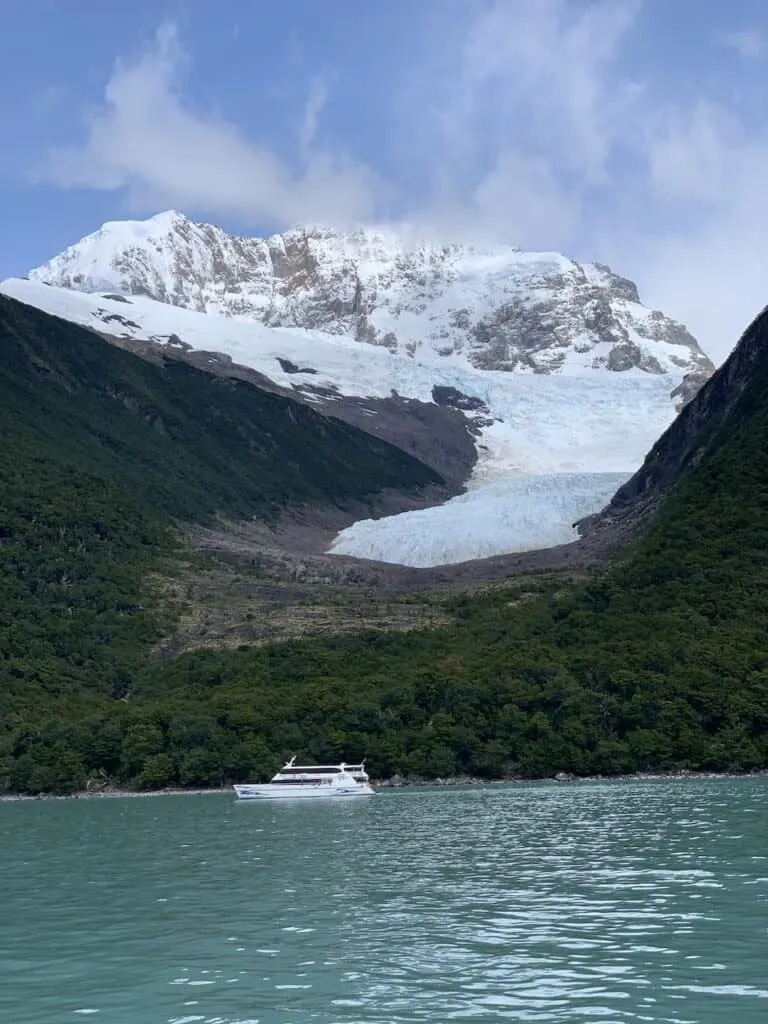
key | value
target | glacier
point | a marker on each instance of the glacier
(514, 514)
(551, 448)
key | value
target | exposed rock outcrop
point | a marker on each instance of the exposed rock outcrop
(502, 308)
(682, 445)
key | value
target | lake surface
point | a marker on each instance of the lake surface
(591, 902)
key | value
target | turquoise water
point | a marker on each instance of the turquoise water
(593, 902)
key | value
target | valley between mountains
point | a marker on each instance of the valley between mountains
(458, 511)
(532, 384)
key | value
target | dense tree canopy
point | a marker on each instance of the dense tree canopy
(660, 661)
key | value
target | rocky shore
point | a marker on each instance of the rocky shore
(401, 782)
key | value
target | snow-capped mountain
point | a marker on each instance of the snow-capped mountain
(561, 380)
(502, 309)
(552, 448)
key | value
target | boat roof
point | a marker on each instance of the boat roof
(291, 766)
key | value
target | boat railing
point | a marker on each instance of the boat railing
(324, 767)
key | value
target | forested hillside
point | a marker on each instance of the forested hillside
(658, 662)
(101, 453)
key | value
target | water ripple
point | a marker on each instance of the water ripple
(609, 902)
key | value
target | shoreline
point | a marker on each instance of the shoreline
(397, 783)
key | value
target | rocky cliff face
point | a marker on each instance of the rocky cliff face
(682, 446)
(495, 308)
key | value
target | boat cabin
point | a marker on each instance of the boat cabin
(292, 773)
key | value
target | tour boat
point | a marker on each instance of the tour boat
(296, 781)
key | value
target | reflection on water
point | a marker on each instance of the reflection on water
(609, 902)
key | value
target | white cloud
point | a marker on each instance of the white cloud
(532, 109)
(520, 124)
(316, 101)
(708, 265)
(713, 279)
(541, 207)
(548, 63)
(670, 191)
(748, 43)
(691, 153)
(519, 200)
(144, 140)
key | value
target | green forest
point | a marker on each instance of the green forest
(659, 661)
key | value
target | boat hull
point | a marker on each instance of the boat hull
(268, 791)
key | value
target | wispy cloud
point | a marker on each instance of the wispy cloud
(316, 101)
(570, 152)
(705, 259)
(143, 139)
(521, 124)
(533, 113)
(749, 43)
(545, 67)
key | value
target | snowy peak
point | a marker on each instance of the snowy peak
(551, 448)
(493, 308)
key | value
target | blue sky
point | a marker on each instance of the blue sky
(628, 131)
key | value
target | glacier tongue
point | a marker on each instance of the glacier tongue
(514, 514)
(552, 447)
(552, 455)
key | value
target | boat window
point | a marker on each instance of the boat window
(313, 770)
(294, 782)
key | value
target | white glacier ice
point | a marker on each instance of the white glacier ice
(557, 448)
(514, 514)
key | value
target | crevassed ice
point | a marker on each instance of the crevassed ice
(515, 514)
(557, 447)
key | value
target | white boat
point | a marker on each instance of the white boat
(296, 781)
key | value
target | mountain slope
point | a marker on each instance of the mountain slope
(191, 443)
(685, 443)
(498, 308)
(101, 453)
(551, 448)
(538, 382)
(658, 663)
